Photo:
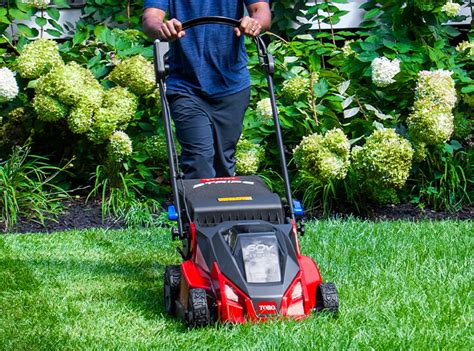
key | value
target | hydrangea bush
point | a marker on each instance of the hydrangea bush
(385, 158)
(85, 96)
(296, 88)
(324, 157)
(432, 121)
(120, 146)
(38, 57)
(248, 157)
(136, 73)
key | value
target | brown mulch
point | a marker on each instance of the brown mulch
(81, 215)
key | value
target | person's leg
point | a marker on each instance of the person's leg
(195, 134)
(227, 118)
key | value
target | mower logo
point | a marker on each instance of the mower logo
(267, 308)
(259, 248)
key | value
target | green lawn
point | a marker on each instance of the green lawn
(402, 285)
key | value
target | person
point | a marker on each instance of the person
(208, 87)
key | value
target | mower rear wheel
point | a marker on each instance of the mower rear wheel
(327, 298)
(198, 310)
(171, 288)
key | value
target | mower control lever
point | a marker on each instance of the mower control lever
(160, 53)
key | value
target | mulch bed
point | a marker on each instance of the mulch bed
(77, 214)
(81, 215)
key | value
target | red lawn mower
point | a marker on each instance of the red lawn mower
(241, 254)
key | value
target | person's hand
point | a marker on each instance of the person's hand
(248, 26)
(171, 30)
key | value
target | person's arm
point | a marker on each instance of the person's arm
(258, 21)
(156, 27)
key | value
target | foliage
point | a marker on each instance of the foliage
(392, 73)
(446, 178)
(27, 188)
(121, 196)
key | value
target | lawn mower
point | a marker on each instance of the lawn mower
(242, 260)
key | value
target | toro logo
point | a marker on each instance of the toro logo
(267, 308)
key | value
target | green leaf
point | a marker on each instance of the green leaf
(53, 32)
(371, 13)
(53, 13)
(61, 3)
(81, 35)
(456, 145)
(321, 88)
(20, 15)
(41, 21)
(351, 112)
(27, 31)
(467, 90)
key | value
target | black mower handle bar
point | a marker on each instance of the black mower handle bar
(210, 20)
(261, 47)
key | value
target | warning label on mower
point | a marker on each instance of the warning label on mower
(237, 198)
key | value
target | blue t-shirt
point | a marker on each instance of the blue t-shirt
(210, 59)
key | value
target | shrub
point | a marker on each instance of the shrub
(432, 121)
(248, 157)
(136, 73)
(38, 57)
(385, 159)
(324, 157)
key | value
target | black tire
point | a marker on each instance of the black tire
(327, 298)
(171, 288)
(198, 310)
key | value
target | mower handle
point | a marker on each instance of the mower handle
(266, 61)
(211, 20)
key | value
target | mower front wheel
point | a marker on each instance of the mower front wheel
(198, 310)
(327, 298)
(171, 288)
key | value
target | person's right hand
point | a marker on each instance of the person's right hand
(171, 30)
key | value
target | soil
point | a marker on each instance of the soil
(81, 215)
(77, 214)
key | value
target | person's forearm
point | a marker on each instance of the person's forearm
(263, 17)
(151, 27)
(153, 22)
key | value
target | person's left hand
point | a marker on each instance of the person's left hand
(248, 26)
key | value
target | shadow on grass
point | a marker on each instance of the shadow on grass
(139, 287)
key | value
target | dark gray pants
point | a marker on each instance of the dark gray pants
(208, 131)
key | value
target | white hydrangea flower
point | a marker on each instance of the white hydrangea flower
(432, 120)
(324, 157)
(451, 9)
(248, 157)
(383, 71)
(347, 49)
(465, 46)
(8, 85)
(437, 86)
(386, 158)
(264, 109)
(296, 87)
(40, 4)
(120, 146)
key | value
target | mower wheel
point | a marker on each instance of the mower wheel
(198, 310)
(327, 298)
(171, 288)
